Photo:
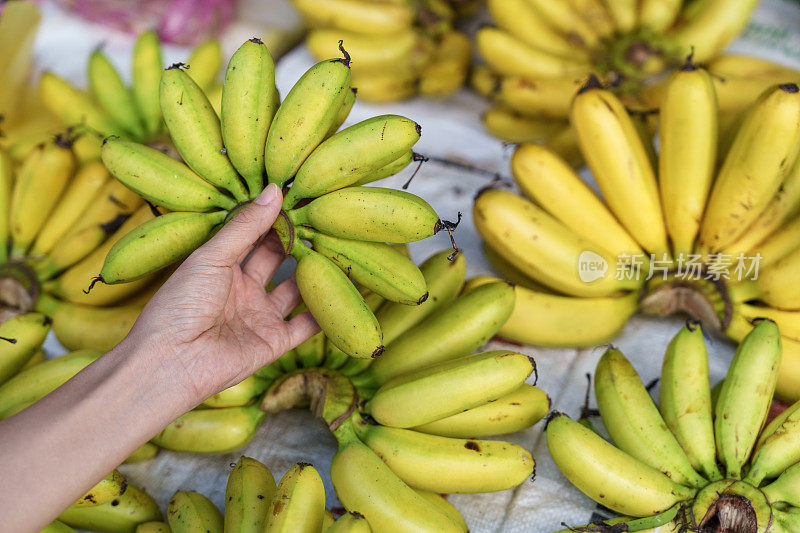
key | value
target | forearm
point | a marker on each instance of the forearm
(57, 449)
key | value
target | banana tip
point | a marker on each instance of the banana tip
(378, 351)
(422, 298)
(790, 88)
(256, 40)
(552, 415)
(592, 83)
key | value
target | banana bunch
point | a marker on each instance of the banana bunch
(538, 52)
(399, 48)
(697, 458)
(704, 225)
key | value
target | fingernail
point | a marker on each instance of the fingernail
(268, 195)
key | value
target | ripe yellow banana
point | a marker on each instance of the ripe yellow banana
(381, 88)
(515, 411)
(71, 249)
(448, 68)
(73, 107)
(240, 394)
(20, 338)
(523, 21)
(659, 15)
(511, 127)
(205, 62)
(248, 105)
(564, 142)
(108, 488)
(248, 495)
(350, 523)
(624, 13)
(195, 129)
(113, 96)
(124, 513)
(147, 68)
(714, 24)
(355, 15)
(211, 430)
(146, 451)
(190, 512)
(444, 464)
(304, 118)
(111, 202)
(607, 474)
(688, 153)
(595, 14)
(336, 359)
(298, 505)
(563, 17)
(390, 169)
(548, 98)
(509, 56)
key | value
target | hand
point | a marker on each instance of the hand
(212, 323)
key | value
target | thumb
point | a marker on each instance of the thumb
(245, 228)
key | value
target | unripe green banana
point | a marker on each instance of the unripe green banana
(147, 68)
(298, 505)
(158, 243)
(73, 106)
(205, 62)
(454, 330)
(746, 395)
(353, 522)
(353, 154)
(248, 494)
(40, 380)
(448, 388)
(248, 105)
(786, 488)
(271, 371)
(778, 451)
(389, 169)
(444, 464)
(120, 515)
(344, 111)
(190, 512)
(110, 487)
(304, 118)
(20, 338)
(370, 214)
(58, 527)
(112, 94)
(240, 394)
(211, 430)
(337, 305)
(153, 527)
(195, 129)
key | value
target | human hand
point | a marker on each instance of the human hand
(212, 323)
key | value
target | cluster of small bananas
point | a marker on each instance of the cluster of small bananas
(704, 458)
(715, 235)
(540, 51)
(399, 48)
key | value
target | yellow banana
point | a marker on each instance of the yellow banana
(110, 487)
(205, 62)
(778, 284)
(443, 505)
(124, 513)
(74, 107)
(624, 13)
(544, 97)
(113, 200)
(712, 27)
(248, 494)
(6, 183)
(153, 527)
(146, 451)
(113, 96)
(509, 56)
(659, 15)
(523, 21)
(449, 66)
(563, 17)
(381, 88)
(511, 127)
(353, 522)
(190, 512)
(390, 169)
(20, 338)
(564, 142)
(484, 80)
(344, 111)
(298, 505)
(147, 68)
(211, 430)
(354, 15)
(72, 248)
(240, 394)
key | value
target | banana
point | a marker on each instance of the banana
(511, 127)
(746, 395)
(298, 505)
(778, 283)
(73, 107)
(484, 80)
(688, 153)
(515, 411)
(624, 13)
(248, 105)
(161, 179)
(147, 68)
(205, 62)
(390, 169)
(158, 243)
(544, 319)
(344, 111)
(540, 98)
(335, 302)
(153, 527)
(211, 430)
(190, 512)
(633, 420)
(443, 505)
(523, 21)
(383, 88)
(368, 214)
(620, 165)
(76, 198)
(352, 155)
(353, 522)
(311, 353)
(72, 248)
(563, 17)
(248, 494)
(763, 151)
(336, 359)
(686, 399)
(776, 452)
(355, 15)
(377, 266)
(20, 338)
(327, 520)
(444, 464)
(712, 27)
(40, 380)
(240, 394)
(750, 67)
(549, 181)
(509, 56)
(113, 96)
(453, 330)
(57, 527)
(146, 451)
(788, 321)
(786, 488)
(448, 68)
(113, 200)
(195, 129)
(6, 184)
(596, 16)
(271, 371)
(607, 474)
(304, 118)
(124, 513)
(40, 180)
(110, 487)
(564, 142)
(429, 394)
(543, 248)
(659, 15)
(37, 357)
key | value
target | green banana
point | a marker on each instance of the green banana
(517, 410)
(158, 243)
(248, 105)
(746, 395)
(6, 183)
(57, 527)
(211, 430)
(108, 488)
(240, 394)
(305, 116)
(120, 515)
(20, 338)
(190, 512)
(153, 527)
(288, 361)
(147, 68)
(161, 179)
(146, 451)
(205, 62)
(454, 330)
(370, 214)
(195, 129)
(390, 169)
(327, 520)
(448, 388)
(444, 464)
(353, 522)
(337, 359)
(112, 94)
(786, 488)
(352, 154)
(298, 505)
(344, 111)
(778, 451)
(249, 491)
